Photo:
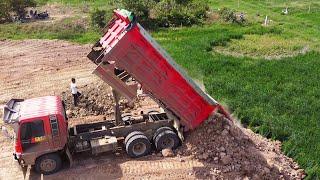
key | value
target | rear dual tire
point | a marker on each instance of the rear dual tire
(137, 144)
(166, 138)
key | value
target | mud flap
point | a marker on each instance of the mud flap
(69, 157)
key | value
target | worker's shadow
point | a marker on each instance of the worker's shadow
(227, 154)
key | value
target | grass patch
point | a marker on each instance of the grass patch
(270, 47)
(301, 26)
(72, 29)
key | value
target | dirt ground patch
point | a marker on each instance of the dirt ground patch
(218, 149)
(31, 68)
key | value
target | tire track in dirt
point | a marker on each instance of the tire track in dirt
(111, 167)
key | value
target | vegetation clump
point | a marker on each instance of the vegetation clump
(168, 13)
(16, 7)
(98, 18)
(141, 8)
(230, 16)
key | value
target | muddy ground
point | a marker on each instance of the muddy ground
(218, 149)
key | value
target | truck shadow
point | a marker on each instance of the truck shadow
(86, 166)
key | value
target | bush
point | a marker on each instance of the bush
(98, 18)
(19, 6)
(228, 15)
(167, 13)
(170, 13)
(16, 6)
(141, 8)
(5, 8)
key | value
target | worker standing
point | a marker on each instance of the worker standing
(74, 91)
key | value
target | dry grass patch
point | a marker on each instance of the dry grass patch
(264, 46)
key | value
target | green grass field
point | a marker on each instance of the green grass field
(267, 76)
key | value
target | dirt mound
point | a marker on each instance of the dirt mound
(234, 152)
(96, 103)
(96, 100)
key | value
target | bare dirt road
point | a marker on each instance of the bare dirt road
(219, 149)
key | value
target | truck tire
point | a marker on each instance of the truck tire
(160, 130)
(138, 146)
(167, 139)
(48, 164)
(130, 135)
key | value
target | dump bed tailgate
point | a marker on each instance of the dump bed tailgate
(128, 48)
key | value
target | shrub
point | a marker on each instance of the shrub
(228, 15)
(170, 13)
(5, 8)
(19, 6)
(141, 8)
(98, 18)
(16, 6)
(167, 13)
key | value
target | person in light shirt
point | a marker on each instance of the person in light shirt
(74, 91)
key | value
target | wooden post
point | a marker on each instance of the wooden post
(309, 8)
(266, 21)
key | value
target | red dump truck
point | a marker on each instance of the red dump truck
(127, 58)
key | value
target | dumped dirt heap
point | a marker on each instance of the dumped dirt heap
(93, 101)
(233, 152)
(97, 99)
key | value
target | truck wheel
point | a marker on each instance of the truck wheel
(138, 146)
(48, 164)
(160, 130)
(166, 139)
(130, 135)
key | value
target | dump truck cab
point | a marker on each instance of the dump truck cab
(40, 126)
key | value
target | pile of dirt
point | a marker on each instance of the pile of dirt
(235, 152)
(97, 100)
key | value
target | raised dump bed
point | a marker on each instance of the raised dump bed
(127, 52)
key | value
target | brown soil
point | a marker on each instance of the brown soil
(218, 149)
(31, 68)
